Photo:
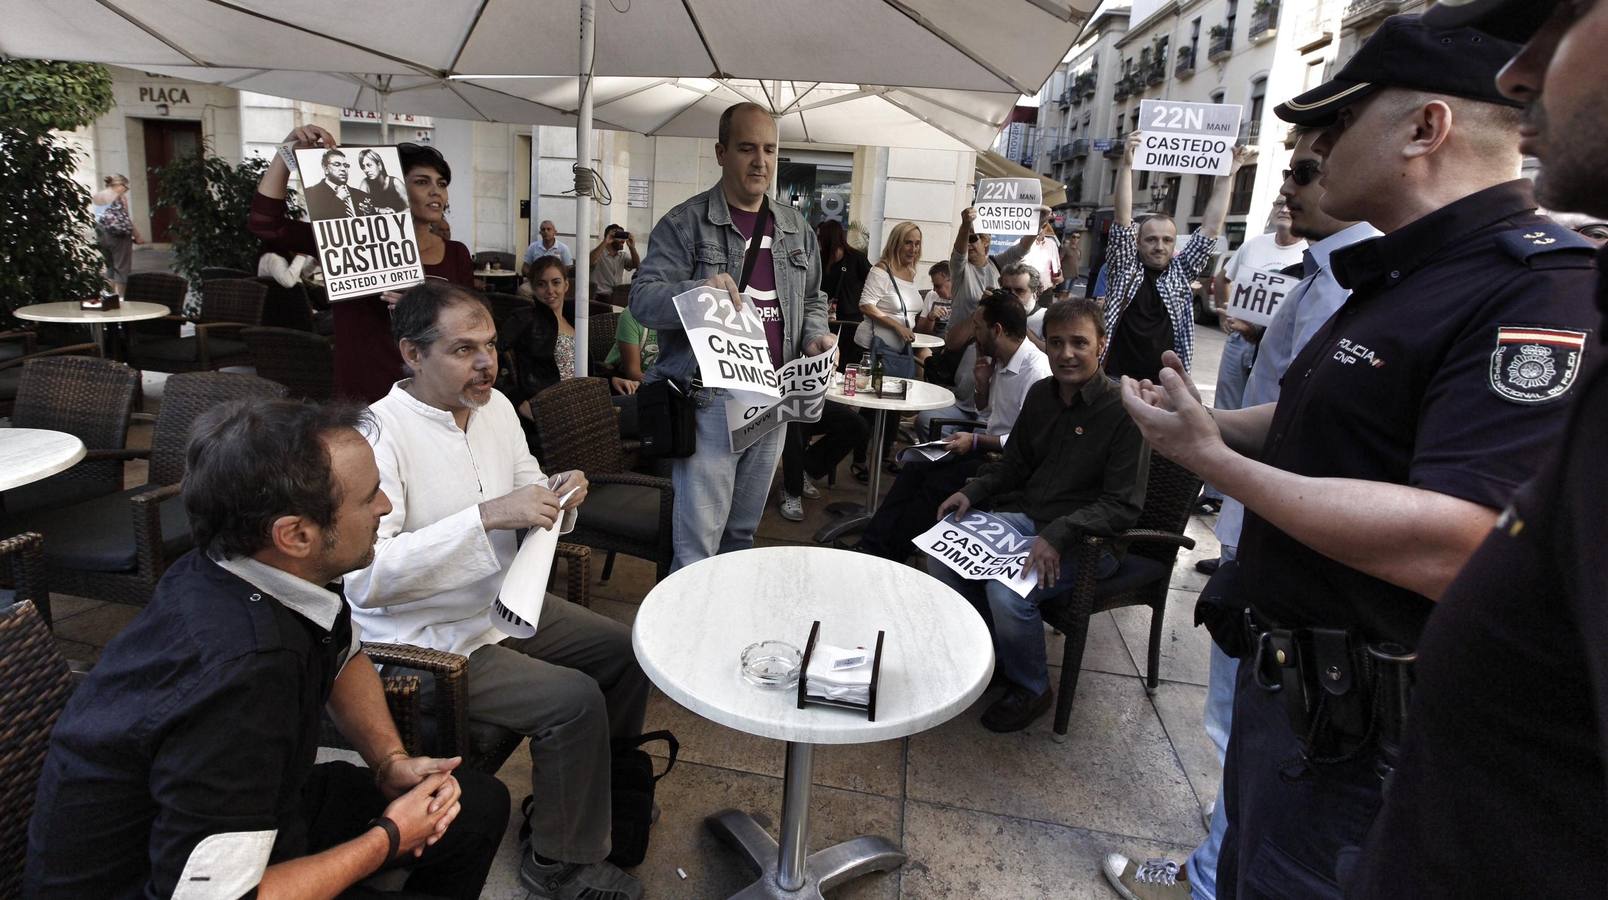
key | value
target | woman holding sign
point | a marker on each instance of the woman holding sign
(366, 359)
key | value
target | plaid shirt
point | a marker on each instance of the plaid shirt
(1125, 272)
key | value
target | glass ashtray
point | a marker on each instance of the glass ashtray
(771, 664)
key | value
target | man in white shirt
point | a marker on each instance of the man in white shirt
(1007, 365)
(612, 256)
(547, 245)
(1272, 251)
(454, 461)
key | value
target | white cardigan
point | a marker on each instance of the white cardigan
(436, 569)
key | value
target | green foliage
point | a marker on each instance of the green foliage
(40, 95)
(47, 232)
(212, 199)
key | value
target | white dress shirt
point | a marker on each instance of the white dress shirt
(436, 569)
(1008, 387)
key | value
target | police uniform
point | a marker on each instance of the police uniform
(1447, 370)
(183, 766)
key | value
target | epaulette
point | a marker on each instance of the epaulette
(1538, 246)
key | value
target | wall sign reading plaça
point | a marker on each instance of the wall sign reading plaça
(1008, 207)
(1187, 138)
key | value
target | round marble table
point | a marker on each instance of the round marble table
(936, 660)
(922, 396)
(29, 454)
(68, 311)
(927, 341)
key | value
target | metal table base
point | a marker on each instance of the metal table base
(856, 519)
(785, 871)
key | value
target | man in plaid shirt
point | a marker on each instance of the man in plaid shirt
(1148, 300)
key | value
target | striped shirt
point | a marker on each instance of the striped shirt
(1126, 274)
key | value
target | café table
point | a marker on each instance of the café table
(927, 341)
(501, 276)
(29, 454)
(691, 630)
(922, 396)
(69, 312)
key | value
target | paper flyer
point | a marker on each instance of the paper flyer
(978, 547)
(519, 602)
(358, 205)
(728, 342)
(803, 395)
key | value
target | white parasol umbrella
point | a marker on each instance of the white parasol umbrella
(938, 74)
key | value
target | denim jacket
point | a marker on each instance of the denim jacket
(695, 241)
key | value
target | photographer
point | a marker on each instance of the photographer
(609, 259)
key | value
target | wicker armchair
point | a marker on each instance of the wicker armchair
(36, 686)
(22, 571)
(301, 361)
(115, 547)
(1141, 579)
(158, 287)
(11, 369)
(287, 307)
(447, 730)
(219, 273)
(88, 398)
(600, 330)
(625, 512)
(228, 305)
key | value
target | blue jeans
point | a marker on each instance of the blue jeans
(1233, 372)
(1202, 865)
(1015, 622)
(720, 495)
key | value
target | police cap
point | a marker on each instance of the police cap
(1510, 20)
(1406, 53)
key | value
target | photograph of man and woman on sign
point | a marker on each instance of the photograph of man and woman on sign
(352, 181)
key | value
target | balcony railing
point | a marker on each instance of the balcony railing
(1124, 87)
(1361, 12)
(1115, 150)
(1264, 24)
(1220, 46)
(1089, 85)
(1065, 99)
(1080, 148)
(1185, 66)
(1250, 132)
(1157, 73)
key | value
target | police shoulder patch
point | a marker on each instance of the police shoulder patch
(1533, 243)
(1535, 364)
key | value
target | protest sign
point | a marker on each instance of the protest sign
(361, 222)
(728, 342)
(1256, 294)
(978, 547)
(524, 587)
(803, 389)
(1189, 138)
(1008, 207)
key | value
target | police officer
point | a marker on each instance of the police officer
(1402, 428)
(1500, 789)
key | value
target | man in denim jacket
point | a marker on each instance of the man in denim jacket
(720, 495)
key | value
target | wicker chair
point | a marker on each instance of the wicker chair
(625, 512)
(115, 547)
(158, 287)
(227, 306)
(447, 730)
(503, 307)
(218, 273)
(600, 330)
(11, 369)
(22, 571)
(301, 361)
(36, 687)
(1141, 579)
(88, 398)
(287, 307)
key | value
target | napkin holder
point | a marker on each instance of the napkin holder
(103, 301)
(888, 392)
(804, 699)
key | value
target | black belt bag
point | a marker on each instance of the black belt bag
(1221, 608)
(1343, 696)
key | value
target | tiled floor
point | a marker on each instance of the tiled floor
(981, 815)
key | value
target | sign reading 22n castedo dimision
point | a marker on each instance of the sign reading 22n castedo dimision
(1189, 138)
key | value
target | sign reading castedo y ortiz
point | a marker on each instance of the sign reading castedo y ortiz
(1189, 138)
(1008, 207)
(361, 221)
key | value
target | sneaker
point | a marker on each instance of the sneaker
(810, 491)
(1153, 879)
(792, 508)
(571, 881)
(1017, 709)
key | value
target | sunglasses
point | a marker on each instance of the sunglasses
(975, 238)
(1304, 172)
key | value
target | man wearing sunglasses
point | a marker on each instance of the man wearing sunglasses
(1401, 429)
(1501, 786)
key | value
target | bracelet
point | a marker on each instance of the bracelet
(386, 761)
(392, 834)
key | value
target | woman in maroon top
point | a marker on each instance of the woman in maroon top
(366, 359)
